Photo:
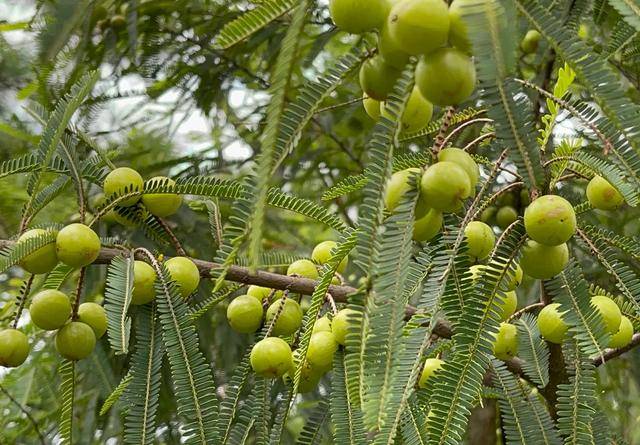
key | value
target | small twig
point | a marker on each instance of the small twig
(478, 140)
(78, 293)
(273, 321)
(26, 413)
(446, 123)
(340, 105)
(459, 128)
(332, 303)
(172, 236)
(23, 301)
(613, 353)
(530, 308)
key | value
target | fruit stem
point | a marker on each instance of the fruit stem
(446, 123)
(78, 294)
(174, 240)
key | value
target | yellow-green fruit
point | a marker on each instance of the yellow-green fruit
(506, 216)
(77, 245)
(245, 314)
(508, 306)
(416, 115)
(550, 220)
(446, 76)
(530, 42)
(95, 316)
(185, 273)
(445, 186)
(602, 195)
(123, 180)
(50, 309)
(75, 340)
(262, 293)
(624, 335)
(303, 268)
(551, 325)
(584, 32)
(464, 160)
(377, 78)
(14, 348)
(42, 260)
(543, 262)
(480, 240)
(322, 254)
(458, 34)
(309, 376)
(399, 184)
(419, 26)
(427, 227)
(609, 311)
(431, 365)
(271, 357)
(358, 16)
(290, 318)
(487, 214)
(340, 323)
(118, 21)
(371, 107)
(323, 324)
(144, 279)
(510, 281)
(505, 345)
(322, 347)
(162, 204)
(390, 52)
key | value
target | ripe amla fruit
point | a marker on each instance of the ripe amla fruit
(427, 227)
(290, 318)
(543, 262)
(322, 347)
(303, 268)
(551, 325)
(14, 348)
(77, 245)
(480, 240)
(185, 273)
(262, 293)
(271, 357)
(444, 186)
(550, 220)
(506, 216)
(510, 281)
(371, 107)
(431, 365)
(530, 42)
(123, 180)
(358, 16)
(244, 314)
(94, 316)
(464, 160)
(322, 254)
(322, 324)
(377, 77)
(75, 340)
(416, 115)
(144, 279)
(50, 309)
(389, 51)
(419, 26)
(505, 345)
(398, 185)
(340, 324)
(42, 260)
(602, 195)
(507, 307)
(458, 34)
(609, 311)
(162, 204)
(624, 335)
(446, 76)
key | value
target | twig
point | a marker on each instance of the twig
(459, 128)
(332, 303)
(524, 310)
(478, 140)
(78, 293)
(26, 413)
(446, 123)
(172, 236)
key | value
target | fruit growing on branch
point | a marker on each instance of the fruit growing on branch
(303, 268)
(75, 340)
(185, 273)
(14, 348)
(95, 316)
(162, 204)
(550, 323)
(245, 314)
(358, 16)
(550, 220)
(42, 260)
(271, 357)
(602, 195)
(121, 181)
(289, 315)
(431, 366)
(50, 309)
(419, 26)
(505, 345)
(446, 76)
(543, 262)
(77, 245)
(609, 311)
(144, 279)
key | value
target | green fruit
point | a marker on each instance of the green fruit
(506, 216)
(77, 245)
(303, 268)
(398, 185)
(624, 335)
(464, 160)
(322, 347)
(530, 42)
(480, 239)
(50, 309)
(371, 107)
(543, 262)
(271, 357)
(505, 345)
(444, 186)
(416, 115)
(262, 293)
(427, 227)
(510, 281)
(245, 314)
(290, 318)
(94, 316)
(144, 279)
(377, 78)
(446, 76)
(358, 16)
(185, 273)
(340, 323)
(162, 204)
(42, 260)
(323, 324)
(75, 341)
(431, 366)
(602, 195)
(123, 180)
(118, 22)
(322, 254)
(458, 34)
(419, 26)
(14, 348)
(390, 52)
(551, 325)
(508, 306)
(609, 311)
(525, 198)
(487, 214)
(584, 32)
(550, 220)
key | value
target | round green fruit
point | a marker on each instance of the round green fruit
(506, 216)
(550, 220)
(144, 279)
(245, 314)
(122, 181)
(427, 227)
(464, 160)
(446, 76)
(390, 52)
(480, 239)
(322, 347)
(377, 78)
(94, 316)
(419, 26)
(505, 345)
(543, 262)
(262, 293)
(508, 306)
(77, 245)
(185, 273)
(14, 348)
(340, 323)
(162, 204)
(303, 268)
(609, 311)
(75, 340)
(371, 107)
(271, 357)
(624, 335)
(323, 324)
(458, 34)
(358, 16)
(530, 42)
(399, 184)
(551, 325)
(444, 186)
(488, 214)
(118, 21)
(42, 260)
(322, 254)
(431, 366)
(290, 318)
(416, 115)
(602, 195)
(50, 309)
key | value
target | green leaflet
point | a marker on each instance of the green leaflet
(345, 413)
(118, 294)
(629, 10)
(533, 350)
(67, 393)
(315, 426)
(116, 394)
(10, 256)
